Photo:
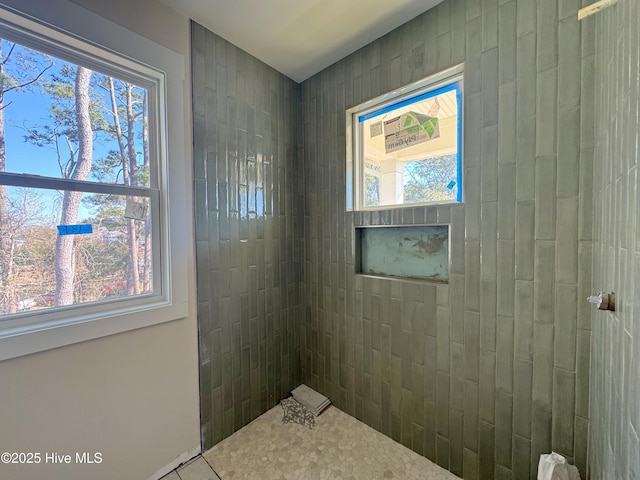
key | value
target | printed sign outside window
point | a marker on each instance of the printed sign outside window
(376, 129)
(408, 130)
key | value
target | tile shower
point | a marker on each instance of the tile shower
(614, 450)
(248, 234)
(481, 374)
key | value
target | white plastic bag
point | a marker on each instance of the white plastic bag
(554, 466)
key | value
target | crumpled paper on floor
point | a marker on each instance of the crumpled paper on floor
(554, 466)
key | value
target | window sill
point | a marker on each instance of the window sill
(22, 341)
(396, 206)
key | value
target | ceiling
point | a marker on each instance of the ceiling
(301, 37)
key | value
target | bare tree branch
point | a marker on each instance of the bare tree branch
(30, 82)
(6, 59)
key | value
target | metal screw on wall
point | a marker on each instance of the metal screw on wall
(604, 301)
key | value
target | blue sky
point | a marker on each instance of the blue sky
(22, 157)
(29, 108)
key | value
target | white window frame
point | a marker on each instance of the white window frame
(355, 142)
(73, 33)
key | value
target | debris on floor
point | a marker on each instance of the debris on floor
(295, 412)
(315, 402)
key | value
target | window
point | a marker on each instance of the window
(405, 147)
(78, 183)
(87, 232)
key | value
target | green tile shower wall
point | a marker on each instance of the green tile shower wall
(615, 355)
(248, 230)
(481, 375)
(487, 373)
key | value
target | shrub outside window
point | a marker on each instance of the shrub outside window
(405, 147)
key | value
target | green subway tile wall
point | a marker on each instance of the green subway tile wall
(487, 373)
(614, 449)
(248, 231)
(481, 375)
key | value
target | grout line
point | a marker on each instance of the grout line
(211, 467)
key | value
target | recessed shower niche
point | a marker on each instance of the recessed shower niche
(415, 252)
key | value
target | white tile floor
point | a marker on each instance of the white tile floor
(339, 447)
(196, 469)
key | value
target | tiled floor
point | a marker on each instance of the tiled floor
(196, 469)
(339, 447)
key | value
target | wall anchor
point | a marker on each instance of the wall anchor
(604, 301)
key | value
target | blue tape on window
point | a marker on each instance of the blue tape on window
(451, 185)
(80, 229)
(459, 153)
(410, 100)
